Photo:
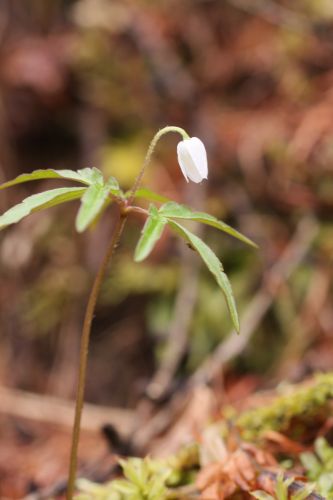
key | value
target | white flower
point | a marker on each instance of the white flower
(192, 159)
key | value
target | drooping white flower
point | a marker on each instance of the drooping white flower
(192, 159)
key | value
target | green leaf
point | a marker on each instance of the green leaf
(214, 266)
(38, 202)
(112, 183)
(261, 495)
(149, 195)
(135, 470)
(125, 488)
(150, 234)
(281, 487)
(304, 493)
(89, 487)
(325, 484)
(311, 463)
(323, 449)
(93, 202)
(86, 176)
(174, 210)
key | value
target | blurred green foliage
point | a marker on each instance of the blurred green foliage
(319, 466)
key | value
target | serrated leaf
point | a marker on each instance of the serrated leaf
(38, 202)
(86, 176)
(112, 183)
(151, 233)
(213, 264)
(177, 211)
(173, 209)
(149, 195)
(93, 202)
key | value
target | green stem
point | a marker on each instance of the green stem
(150, 151)
(84, 350)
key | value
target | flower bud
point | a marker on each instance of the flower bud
(192, 159)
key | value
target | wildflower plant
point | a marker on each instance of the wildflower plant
(95, 194)
(144, 479)
(282, 490)
(319, 466)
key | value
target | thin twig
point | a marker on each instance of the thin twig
(58, 411)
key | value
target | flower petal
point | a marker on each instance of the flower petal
(181, 154)
(198, 153)
(192, 159)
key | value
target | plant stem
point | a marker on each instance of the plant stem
(84, 349)
(123, 213)
(149, 153)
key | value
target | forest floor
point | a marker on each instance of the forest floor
(208, 443)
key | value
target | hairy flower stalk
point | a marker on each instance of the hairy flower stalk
(192, 157)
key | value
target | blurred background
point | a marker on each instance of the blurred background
(88, 83)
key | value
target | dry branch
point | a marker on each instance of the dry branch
(58, 411)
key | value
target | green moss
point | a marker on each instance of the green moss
(146, 479)
(300, 404)
(149, 479)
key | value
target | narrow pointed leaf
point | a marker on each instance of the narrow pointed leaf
(39, 202)
(151, 233)
(213, 264)
(261, 495)
(85, 176)
(93, 202)
(304, 493)
(174, 210)
(112, 183)
(129, 490)
(149, 195)
(282, 486)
